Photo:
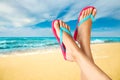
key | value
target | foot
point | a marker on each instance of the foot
(87, 22)
(66, 39)
(84, 31)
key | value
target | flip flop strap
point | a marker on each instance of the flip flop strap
(61, 33)
(86, 18)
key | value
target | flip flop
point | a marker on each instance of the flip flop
(62, 46)
(83, 20)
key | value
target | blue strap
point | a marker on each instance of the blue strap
(61, 33)
(86, 18)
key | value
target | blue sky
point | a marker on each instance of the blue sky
(33, 17)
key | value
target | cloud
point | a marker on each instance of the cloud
(17, 11)
(108, 8)
(104, 9)
(11, 16)
(22, 15)
(25, 31)
(106, 34)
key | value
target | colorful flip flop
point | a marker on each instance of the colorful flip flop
(83, 20)
(62, 46)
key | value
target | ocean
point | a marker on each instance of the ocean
(11, 44)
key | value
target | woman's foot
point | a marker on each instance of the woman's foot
(87, 22)
(84, 31)
(67, 39)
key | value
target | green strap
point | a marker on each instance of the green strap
(86, 18)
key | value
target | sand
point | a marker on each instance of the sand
(50, 65)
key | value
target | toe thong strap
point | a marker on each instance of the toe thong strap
(61, 33)
(86, 18)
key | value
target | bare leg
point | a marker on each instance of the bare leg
(84, 33)
(86, 65)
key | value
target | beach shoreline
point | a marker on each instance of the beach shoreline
(48, 64)
(42, 50)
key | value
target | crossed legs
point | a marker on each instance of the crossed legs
(76, 54)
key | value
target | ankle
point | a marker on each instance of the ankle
(77, 54)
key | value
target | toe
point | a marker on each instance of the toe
(82, 15)
(64, 25)
(57, 27)
(94, 12)
(90, 10)
(87, 12)
(60, 22)
(67, 27)
(56, 24)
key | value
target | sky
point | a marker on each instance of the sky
(33, 18)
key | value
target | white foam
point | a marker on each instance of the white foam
(97, 41)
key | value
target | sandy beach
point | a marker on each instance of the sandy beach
(50, 65)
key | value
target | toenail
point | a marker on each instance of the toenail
(56, 22)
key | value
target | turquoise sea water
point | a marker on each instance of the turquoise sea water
(9, 44)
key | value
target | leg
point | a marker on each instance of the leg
(84, 31)
(86, 65)
(90, 70)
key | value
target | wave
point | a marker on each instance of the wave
(12, 44)
(98, 41)
(7, 42)
(102, 41)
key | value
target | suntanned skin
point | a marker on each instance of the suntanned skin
(78, 55)
(84, 33)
